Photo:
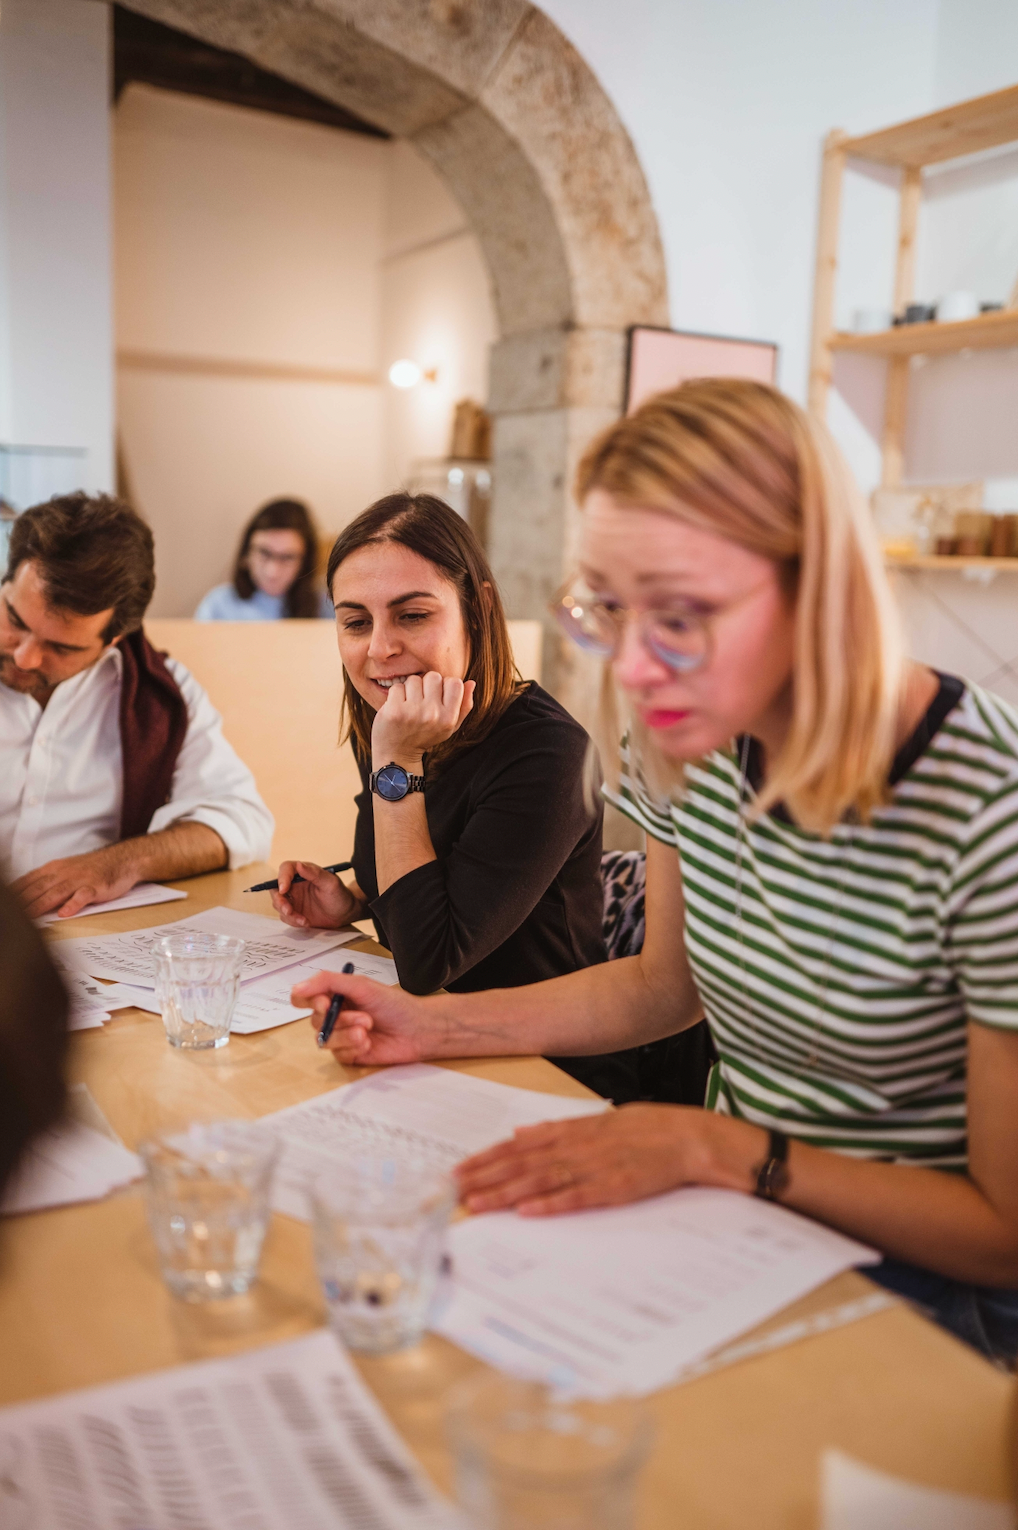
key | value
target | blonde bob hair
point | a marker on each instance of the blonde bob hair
(740, 460)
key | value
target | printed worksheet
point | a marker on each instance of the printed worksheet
(265, 1002)
(128, 958)
(420, 1113)
(621, 1300)
(285, 1436)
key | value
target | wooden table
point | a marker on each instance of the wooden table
(81, 1302)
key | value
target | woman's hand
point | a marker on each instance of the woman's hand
(377, 1026)
(320, 902)
(607, 1160)
(419, 715)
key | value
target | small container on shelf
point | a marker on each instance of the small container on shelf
(946, 547)
(973, 528)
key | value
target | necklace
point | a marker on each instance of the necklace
(811, 1056)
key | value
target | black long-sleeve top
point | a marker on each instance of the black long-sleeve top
(515, 894)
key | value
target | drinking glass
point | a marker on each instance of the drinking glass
(208, 1205)
(197, 980)
(379, 1231)
(527, 1459)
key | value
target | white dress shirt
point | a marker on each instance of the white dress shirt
(61, 773)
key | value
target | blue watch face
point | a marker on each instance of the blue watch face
(392, 783)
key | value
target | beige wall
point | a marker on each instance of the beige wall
(267, 274)
(436, 310)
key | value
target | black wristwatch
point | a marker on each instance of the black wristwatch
(392, 783)
(772, 1177)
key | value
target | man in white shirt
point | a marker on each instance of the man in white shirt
(113, 765)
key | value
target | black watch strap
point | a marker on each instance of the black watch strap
(772, 1176)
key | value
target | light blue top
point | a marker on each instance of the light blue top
(223, 604)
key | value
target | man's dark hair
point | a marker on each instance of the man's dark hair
(93, 553)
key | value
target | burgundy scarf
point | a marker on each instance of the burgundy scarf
(153, 725)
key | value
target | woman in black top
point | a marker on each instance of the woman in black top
(489, 876)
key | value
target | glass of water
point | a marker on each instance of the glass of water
(208, 1205)
(379, 1232)
(529, 1459)
(197, 981)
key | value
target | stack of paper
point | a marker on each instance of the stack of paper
(419, 1113)
(286, 1436)
(276, 958)
(80, 1160)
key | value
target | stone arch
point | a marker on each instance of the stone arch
(515, 122)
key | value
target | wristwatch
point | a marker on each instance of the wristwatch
(772, 1177)
(392, 783)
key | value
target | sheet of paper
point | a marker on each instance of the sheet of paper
(858, 1497)
(420, 1112)
(127, 958)
(88, 1007)
(281, 1437)
(621, 1300)
(72, 1162)
(266, 1001)
(140, 896)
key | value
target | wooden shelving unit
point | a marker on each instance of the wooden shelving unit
(953, 565)
(968, 128)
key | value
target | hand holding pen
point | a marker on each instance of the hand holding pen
(332, 1014)
(313, 897)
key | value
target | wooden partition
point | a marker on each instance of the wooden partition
(278, 686)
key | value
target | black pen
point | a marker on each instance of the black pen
(274, 886)
(333, 1012)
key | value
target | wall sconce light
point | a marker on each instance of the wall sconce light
(407, 374)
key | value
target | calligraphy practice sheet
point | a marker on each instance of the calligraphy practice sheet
(428, 1115)
(281, 1437)
(621, 1300)
(141, 896)
(128, 958)
(265, 1002)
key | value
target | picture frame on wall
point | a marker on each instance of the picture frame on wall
(659, 359)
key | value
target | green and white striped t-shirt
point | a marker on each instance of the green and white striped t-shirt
(914, 916)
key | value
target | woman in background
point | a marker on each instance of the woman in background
(274, 575)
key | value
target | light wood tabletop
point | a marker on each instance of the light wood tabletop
(81, 1302)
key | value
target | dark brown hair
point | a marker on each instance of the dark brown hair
(33, 1034)
(94, 554)
(428, 527)
(301, 599)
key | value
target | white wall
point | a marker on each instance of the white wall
(728, 106)
(245, 240)
(55, 361)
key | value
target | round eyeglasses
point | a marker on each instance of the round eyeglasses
(679, 638)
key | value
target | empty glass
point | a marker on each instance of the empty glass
(197, 980)
(527, 1459)
(379, 1229)
(208, 1205)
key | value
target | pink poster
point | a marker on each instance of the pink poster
(663, 358)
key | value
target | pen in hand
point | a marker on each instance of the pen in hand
(333, 1012)
(273, 886)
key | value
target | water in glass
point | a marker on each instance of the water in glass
(197, 981)
(208, 1205)
(379, 1230)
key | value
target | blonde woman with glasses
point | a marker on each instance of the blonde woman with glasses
(832, 874)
